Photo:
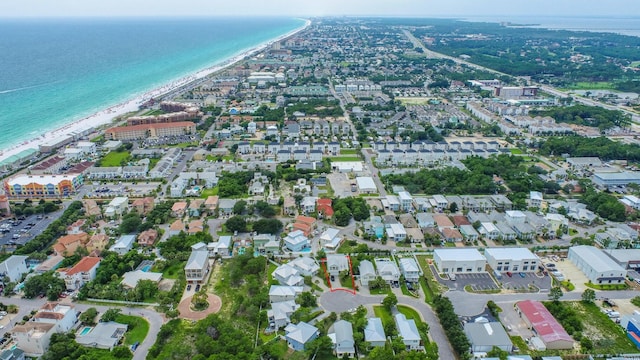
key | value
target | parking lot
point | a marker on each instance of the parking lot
(107, 190)
(21, 231)
(524, 283)
(476, 281)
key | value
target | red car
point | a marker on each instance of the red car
(509, 274)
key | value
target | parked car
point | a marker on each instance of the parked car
(509, 274)
(523, 275)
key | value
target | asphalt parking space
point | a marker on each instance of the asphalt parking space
(477, 282)
(518, 282)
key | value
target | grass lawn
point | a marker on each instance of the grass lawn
(209, 192)
(515, 151)
(272, 268)
(173, 271)
(429, 285)
(381, 291)
(115, 158)
(184, 145)
(348, 151)
(607, 286)
(384, 314)
(344, 158)
(519, 342)
(410, 313)
(607, 336)
(138, 328)
(597, 85)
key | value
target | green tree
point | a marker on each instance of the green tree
(236, 223)
(307, 299)
(239, 207)
(589, 296)
(496, 352)
(267, 226)
(380, 353)
(320, 348)
(130, 223)
(88, 317)
(110, 315)
(390, 301)
(555, 294)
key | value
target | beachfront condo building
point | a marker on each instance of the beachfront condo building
(145, 131)
(42, 186)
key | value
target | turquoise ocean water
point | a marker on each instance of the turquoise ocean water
(54, 71)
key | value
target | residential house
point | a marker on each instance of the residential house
(123, 245)
(148, 237)
(296, 241)
(197, 266)
(195, 226)
(298, 335)
(367, 272)
(105, 335)
(408, 330)
(469, 233)
(307, 266)
(452, 235)
(425, 220)
(489, 230)
(410, 269)
(278, 293)
(12, 354)
(387, 270)
(144, 205)
(225, 206)
(179, 209)
(337, 263)
(279, 315)
(406, 201)
(130, 279)
(14, 267)
(330, 239)
(305, 223)
(443, 222)
(324, 208)
(176, 228)
(63, 316)
(260, 240)
(81, 273)
(211, 204)
(97, 243)
(396, 232)
(374, 333)
(342, 338)
(195, 207)
(33, 337)
(535, 199)
(68, 244)
(117, 207)
(76, 227)
(288, 275)
(222, 247)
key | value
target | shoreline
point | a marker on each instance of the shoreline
(107, 116)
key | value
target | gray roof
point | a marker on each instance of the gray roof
(374, 330)
(487, 334)
(105, 335)
(596, 258)
(366, 267)
(301, 332)
(624, 255)
(197, 260)
(409, 264)
(343, 331)
(407, 328)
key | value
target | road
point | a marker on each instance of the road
(341, 301)
(374, 172)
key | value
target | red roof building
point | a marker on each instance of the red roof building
(544, 325)
(324, 207)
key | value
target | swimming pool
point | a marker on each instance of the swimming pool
(241, 251)
(86, 330)
(146, 268)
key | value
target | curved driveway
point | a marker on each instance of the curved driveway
(341, 301)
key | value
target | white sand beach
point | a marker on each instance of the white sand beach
(106, 116)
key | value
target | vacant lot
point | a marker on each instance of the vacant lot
(115, 158)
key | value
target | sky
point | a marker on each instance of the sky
(421, 8)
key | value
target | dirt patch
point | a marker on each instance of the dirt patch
(166, 284)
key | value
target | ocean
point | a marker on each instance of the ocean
(55, 71)
(624, 25)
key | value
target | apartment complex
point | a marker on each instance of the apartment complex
(39, 186)
(145, 131)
